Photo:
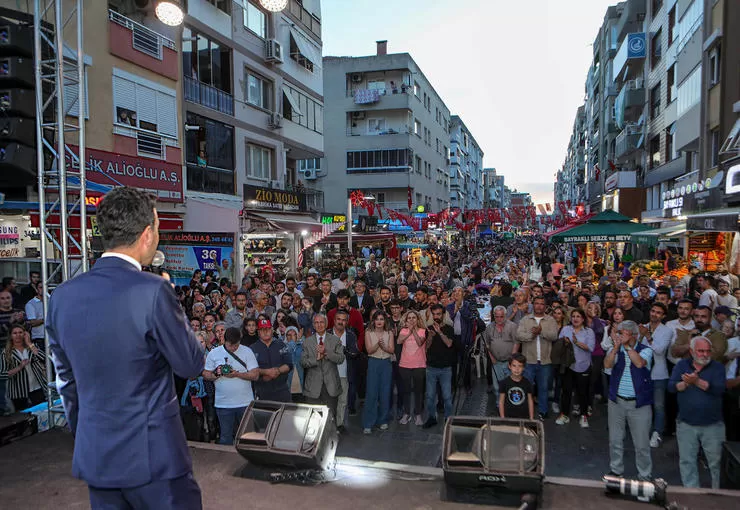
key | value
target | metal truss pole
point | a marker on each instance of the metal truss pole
(61, 173)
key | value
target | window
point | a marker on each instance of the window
(656, 49)
(690, 23)
(309, 164)
(381, 161)
(657, 4)
(418, 165)
(255, 20)
(380, 198)
(309, 114)
(672, 25)
(671, 87)
(223, 5)
(417, 89)
(375, 126)
(655, 101)
(417, 128)
(689, 92)
(670, 143)
(206, 61)
(303, 51)
(259, 162)
(715, 146)
(259, 90)
(209, 152)
(714, 67)
(376, 85)
(71, 104)
(142, 104)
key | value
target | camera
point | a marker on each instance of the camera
(225, 368)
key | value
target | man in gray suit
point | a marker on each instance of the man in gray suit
(322, 353)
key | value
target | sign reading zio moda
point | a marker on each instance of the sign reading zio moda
(256, 197)
(163, 179)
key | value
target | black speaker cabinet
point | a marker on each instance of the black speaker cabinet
(506, 454)
(298, 436)
(730, 473)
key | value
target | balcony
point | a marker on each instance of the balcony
(634, 47)
(208, 96)
(630, 102)
(633, 14)
(628, 141)
(666, 171)
(309, 21)
(378, 99)
(141, 45)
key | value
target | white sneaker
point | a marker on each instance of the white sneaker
(584, 421)
(555, 408)
(655, 440)
(405, 420)
(383, 426)
(562, 420)
(367, 432)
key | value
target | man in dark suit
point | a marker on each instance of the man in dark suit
(362, 301)
(322, 354)
(117, 334)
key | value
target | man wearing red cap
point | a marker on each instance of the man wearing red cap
(275, 362)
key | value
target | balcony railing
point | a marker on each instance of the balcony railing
(208, 96)
(145, 39)
(310, 21)
(628, 140)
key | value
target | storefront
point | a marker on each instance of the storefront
(275, 226)
(328, 253)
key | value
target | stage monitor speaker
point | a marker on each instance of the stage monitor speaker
(730, 473)
(298, 436)
(507, 454)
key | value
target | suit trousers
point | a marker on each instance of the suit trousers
(326, 400)
(640, 420)
(342, 401)
(180, 493)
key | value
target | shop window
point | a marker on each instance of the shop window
(259, 162)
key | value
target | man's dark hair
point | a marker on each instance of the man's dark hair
(436, 307)
(342, 312)
(518, 356)
(385, 287)
(506, 289)
(661, 306)
(704, 307)
(326, 280)
(343, 294)
(290, 277)
(539, 298)
(232, 336)
(31, 273)
(211, 314)
(7, 280)
(686, 301)
(241, 293)
(423, 289)
(396, 302)
(665, 291)
(123, 214)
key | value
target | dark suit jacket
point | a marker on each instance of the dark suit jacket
(368, 303)
(322, 372)
(117, 335)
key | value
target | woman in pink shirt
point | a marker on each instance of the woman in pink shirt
(412, 365)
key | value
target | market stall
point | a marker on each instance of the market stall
(327, 254)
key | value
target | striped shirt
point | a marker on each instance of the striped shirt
(20, 384)
(626, 389)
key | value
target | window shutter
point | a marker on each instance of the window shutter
(167, 114)
(146, 104)
(124, 94)
(71, 105)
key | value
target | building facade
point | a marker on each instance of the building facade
(387, 133)
(466, 167)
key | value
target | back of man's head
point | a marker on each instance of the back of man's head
(123, 214)
(232, 336)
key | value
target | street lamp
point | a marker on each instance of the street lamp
(274, 5)
(169, 12)
(350, 221)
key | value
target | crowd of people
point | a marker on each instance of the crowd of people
(392, 340)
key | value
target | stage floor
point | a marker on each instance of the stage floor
(35, 473)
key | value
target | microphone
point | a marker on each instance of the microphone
(157, 262)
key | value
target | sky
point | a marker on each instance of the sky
(513, 70)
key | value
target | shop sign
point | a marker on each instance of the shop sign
(716, 223)
(256, 197)
(187, 251)
(610, 238)
(672, 207)
(332, 219)
(17, 236)
(162, 179)
(611, 182)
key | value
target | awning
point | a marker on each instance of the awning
(306, 49)
(358, 238)
(578, 221)
(660, 235)
(286, 221)
(293, 103)
(606, 227)
(721, 220)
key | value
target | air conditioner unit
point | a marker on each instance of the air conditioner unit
(273, 51)
(275, 121)
(358, 115)
(310, 174)
(356, 77)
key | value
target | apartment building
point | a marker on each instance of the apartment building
(571, 184)
(494, 189)
(466, 166)
(253, 107)
(387, 132)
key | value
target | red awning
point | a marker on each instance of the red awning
(573, 224)
(341, 238)
(167, 221)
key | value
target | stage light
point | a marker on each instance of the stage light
(274, 5)
(169, 13)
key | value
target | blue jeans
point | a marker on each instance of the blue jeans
(540, 375)
(660, 387)
(444, 376)
(228, 419)
(377, 393)
(690, 437)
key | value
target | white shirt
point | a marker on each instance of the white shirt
(343, 367)
(733, 345)
(708, 298)
(35, 310)
(123, 256)
(662, 341)
(33, 383)
(232, 392)
(675, 326)
(727, 300)
(539, 347)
